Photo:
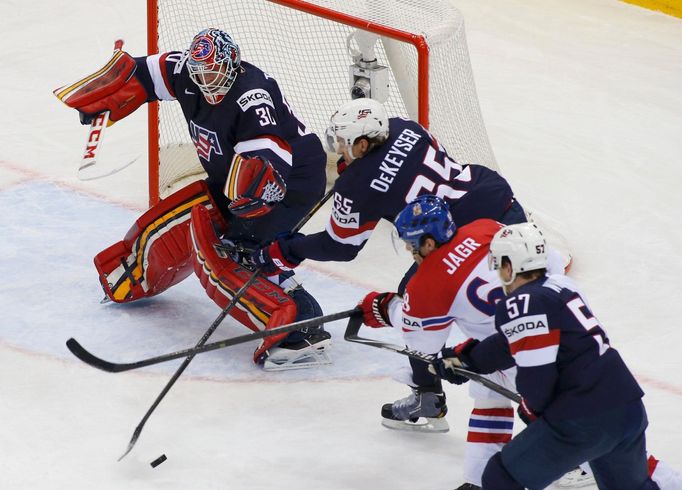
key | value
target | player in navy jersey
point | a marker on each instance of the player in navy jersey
(389, 162)
(580, 401)
(265, 172)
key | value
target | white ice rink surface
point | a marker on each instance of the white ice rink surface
(583, 104)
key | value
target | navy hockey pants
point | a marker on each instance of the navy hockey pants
(612, 441)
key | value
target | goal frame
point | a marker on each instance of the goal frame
(418, 41)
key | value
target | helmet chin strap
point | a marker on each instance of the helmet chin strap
(508, 283)
(350, 154)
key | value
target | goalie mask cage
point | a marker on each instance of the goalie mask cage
(304, 45)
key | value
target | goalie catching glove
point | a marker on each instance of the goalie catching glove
(253, 187)
(113, 88)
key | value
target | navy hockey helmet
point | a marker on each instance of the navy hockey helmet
(213, 62)
(426, 216)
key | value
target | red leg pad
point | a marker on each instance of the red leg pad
(156, 253)
(263, 306)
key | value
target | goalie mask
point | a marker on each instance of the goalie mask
(213, 63)
(426, 216)
(357, 118)
(523, 244)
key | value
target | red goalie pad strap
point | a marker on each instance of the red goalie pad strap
(156, 252)
(263, 306)
(113, 88)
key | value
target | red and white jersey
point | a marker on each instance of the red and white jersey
(453, 284)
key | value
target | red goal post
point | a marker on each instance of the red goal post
(307, 47)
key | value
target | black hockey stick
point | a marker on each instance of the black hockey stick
(212, 328)
(185, 363)
(351, 335)
(113, 367)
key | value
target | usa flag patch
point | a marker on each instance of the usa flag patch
(204, 140)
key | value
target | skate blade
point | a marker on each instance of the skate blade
(575, 479)
(423, 424)
(308, 359)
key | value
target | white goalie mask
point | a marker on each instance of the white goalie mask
(359, 117)
(523, 244)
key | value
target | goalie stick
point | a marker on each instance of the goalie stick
(112, 367)
(88, 168)
(351, 335)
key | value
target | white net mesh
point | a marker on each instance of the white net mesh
(308, 57)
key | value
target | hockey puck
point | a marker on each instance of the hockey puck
(158, 461)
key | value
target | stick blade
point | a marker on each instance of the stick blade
(88, 358)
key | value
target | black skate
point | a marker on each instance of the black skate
(421, 411)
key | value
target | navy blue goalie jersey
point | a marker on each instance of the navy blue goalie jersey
(565, 365)
(380, 184)
(254, 119)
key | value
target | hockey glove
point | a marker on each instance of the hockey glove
(114, 88)
(526, 413)
(341, 165)
(453, 357)
(272, 260)
(375, 309)
(253, 186)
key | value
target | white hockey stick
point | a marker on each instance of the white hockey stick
(89, 167)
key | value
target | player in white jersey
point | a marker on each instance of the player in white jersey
(452, 285)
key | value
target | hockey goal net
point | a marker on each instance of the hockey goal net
(307, 47)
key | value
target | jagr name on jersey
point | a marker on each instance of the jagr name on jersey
(391, 163)
(459, 253)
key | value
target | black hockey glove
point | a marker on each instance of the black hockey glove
(275, 258)
(526, 413)
(454, 357)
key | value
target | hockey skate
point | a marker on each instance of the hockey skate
(421, 411)
(575, 479)
(300, 350)
(468, 486)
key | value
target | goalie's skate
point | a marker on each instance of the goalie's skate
(311, 351)
(421, 411)
(575, 479)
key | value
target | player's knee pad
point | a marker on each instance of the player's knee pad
(496, 476)
(263, 306)
(156, 252)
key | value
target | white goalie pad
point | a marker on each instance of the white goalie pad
(281, 359)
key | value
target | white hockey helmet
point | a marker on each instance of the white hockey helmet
(523, 244)
(359, 117)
